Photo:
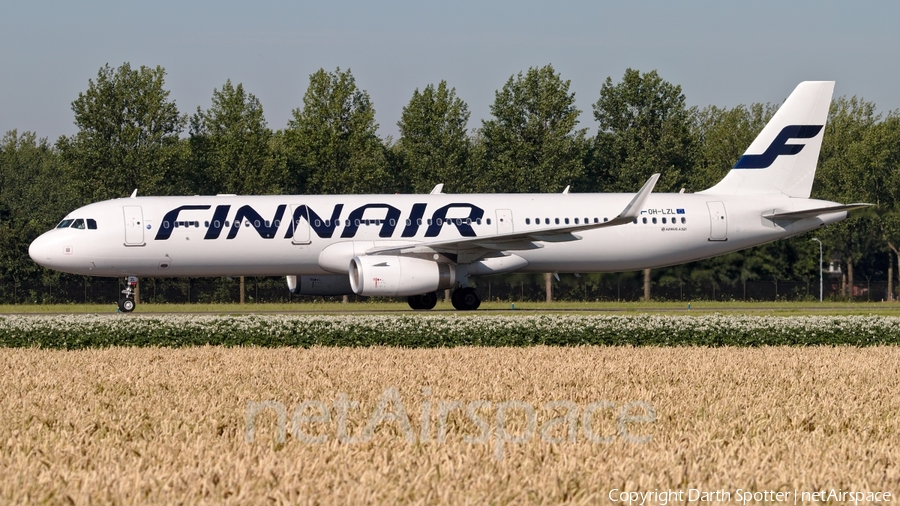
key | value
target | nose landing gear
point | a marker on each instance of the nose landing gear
(126, 302)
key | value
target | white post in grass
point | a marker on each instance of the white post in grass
(820, 266)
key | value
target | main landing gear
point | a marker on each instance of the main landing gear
(126, 302)
(424, 301)
(463, 299)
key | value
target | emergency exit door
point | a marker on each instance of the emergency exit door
(504, 221)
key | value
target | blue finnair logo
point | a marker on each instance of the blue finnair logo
(324, 225)
(779, 146)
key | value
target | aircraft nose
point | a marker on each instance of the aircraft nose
(39, 250)
(47, 250)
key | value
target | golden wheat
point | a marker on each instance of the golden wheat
(150, 425)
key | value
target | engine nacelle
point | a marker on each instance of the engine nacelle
(324, 284)
(393, 276)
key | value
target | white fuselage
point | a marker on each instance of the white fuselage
(198, 236)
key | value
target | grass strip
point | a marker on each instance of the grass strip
(430, 331)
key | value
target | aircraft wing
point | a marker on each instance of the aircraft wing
(529, 239)
(812, 213)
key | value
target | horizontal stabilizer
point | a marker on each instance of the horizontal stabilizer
(812, 213)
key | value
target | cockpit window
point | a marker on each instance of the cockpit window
(79, 223)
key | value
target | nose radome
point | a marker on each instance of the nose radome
(40, 250)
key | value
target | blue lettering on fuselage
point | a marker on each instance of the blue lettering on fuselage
(388, 224)
(266, 229)
(414, 221)
(462, 224)
(324, 228)
(171, 217)
(388, 221)
(216, 225)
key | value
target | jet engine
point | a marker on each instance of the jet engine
(324, 284)
(393, 276)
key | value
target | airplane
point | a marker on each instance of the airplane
(415, 245)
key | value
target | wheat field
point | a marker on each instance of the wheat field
(159, 425)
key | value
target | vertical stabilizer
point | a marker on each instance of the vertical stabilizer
(784, 155)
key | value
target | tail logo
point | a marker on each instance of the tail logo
(779, 146)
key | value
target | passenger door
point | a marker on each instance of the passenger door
(718, 221)
(134, 226)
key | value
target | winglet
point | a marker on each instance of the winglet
(633, 209)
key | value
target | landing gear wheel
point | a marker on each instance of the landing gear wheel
(126, 304)
(424, 301)
(465, 299)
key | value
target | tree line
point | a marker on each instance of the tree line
(131, 135)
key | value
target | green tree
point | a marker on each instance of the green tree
(127, 136)
(531, 144)
(846, 174)
(433, 145)
(34, 185)
(34, 194)
(331, 143)
(645, 127)
(842, 174)
(231, 145)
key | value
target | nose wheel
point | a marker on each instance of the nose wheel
(126, 302)
(465, 299)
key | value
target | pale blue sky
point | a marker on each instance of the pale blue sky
(722, 53)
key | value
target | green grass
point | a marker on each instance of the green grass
(764, 307)
(444, 330)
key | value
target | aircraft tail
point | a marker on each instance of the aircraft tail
(783, 157)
